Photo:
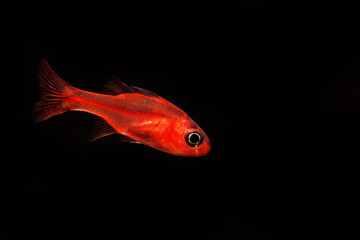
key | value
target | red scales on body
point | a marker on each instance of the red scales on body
(139, 114)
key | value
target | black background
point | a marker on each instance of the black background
(275, 86)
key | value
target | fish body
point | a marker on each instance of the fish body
(140, 115)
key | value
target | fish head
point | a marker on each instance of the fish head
(190, 140)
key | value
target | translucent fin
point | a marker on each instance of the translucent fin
(115, 87)
(101, 129)
(128, 139)
(145, 92)
(55, 94)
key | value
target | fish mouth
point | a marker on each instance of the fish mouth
(204, 149)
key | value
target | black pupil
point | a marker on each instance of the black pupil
(194, 138)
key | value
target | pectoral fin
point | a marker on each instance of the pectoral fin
(128, 139)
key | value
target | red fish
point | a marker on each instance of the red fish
(140, 115)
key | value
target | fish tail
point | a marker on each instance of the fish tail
(55, 90)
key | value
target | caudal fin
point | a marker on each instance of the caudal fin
(55, 94)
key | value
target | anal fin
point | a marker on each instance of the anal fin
(101, 129)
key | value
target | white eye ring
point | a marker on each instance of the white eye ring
(193, 139)
(192, 136)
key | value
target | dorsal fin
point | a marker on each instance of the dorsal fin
(145, 92)
(115, 87)
(101, 129)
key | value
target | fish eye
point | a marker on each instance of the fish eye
(193, 139)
